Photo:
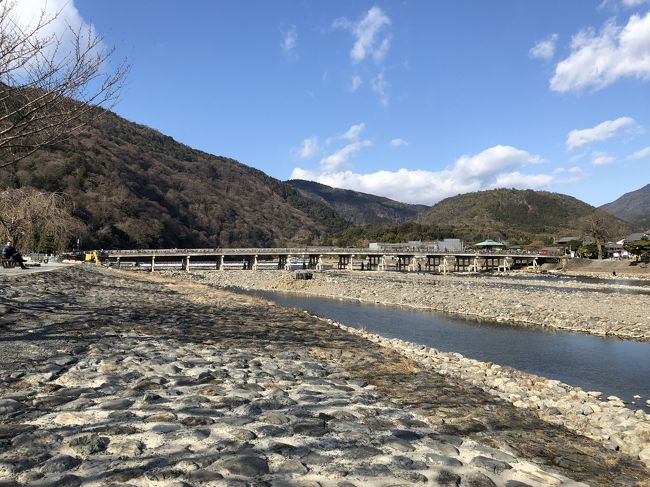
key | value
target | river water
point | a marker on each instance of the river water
(612, 366)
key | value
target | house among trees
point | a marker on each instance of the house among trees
(633, 237)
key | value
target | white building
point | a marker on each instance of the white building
(445, 245)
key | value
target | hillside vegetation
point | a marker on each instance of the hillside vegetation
(356, 207)
(134, 187)
(520, 216)
(633, 207)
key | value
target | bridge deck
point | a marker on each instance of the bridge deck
(306, 251)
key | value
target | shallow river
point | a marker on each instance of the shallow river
(612, 366)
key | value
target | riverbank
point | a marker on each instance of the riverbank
(607, 268)
(561, 305)
(115, 378)
(586, 412)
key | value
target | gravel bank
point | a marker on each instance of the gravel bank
(528, 303)
(586, 412)
(138, 380)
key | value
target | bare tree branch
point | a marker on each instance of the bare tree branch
(50, 85)
(27, 215)
(601, 226)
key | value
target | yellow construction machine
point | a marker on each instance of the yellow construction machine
(92, 257)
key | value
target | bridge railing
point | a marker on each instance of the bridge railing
(297, 251)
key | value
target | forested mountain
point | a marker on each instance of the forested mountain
(135, 187)
(132, 186)
(633, 207)
(359, 208)
(513, 214)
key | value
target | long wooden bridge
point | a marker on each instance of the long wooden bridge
(322, 258)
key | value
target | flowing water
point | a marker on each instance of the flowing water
(612, 366)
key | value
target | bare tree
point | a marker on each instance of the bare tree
(50, 85)
(601, 226)
(26, 215)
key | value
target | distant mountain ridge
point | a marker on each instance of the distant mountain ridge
(356, 207)
(504, 213)
(633, 207)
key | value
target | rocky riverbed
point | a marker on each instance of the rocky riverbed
(111, 378)
(561, 305)
(586, 412)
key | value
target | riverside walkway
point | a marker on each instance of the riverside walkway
(322, 258)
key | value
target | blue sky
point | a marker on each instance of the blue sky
(414, 100)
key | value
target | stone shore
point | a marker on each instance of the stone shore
(604, 419)
(110, 378)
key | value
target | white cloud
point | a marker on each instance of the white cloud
(62, 18)
(633, 3)
(289, 41)
(398, 143)
(518, 180)
(575, 173)
(339, 159)
(641, 154)
(353, 132)
(493, 161)
(599, 59)
(616, 5)
(602, 159)
(371, 38)
(578, 156)
(494, 167)
(308, 149)
(544, 49)
(355, 83)
(379, 85)
(602, 131)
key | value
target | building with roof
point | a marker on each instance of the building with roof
(444, 245)
(490, 244)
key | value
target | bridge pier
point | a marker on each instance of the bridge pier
(434, 263)
(250, 262)
(403, 261)
(534, 265)
(462, 263)
(319, 264)
(287, 262)
(493, 263)
(153, 263)
(505, 266)
(374, 262)
(186, 263)
(220, 263)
